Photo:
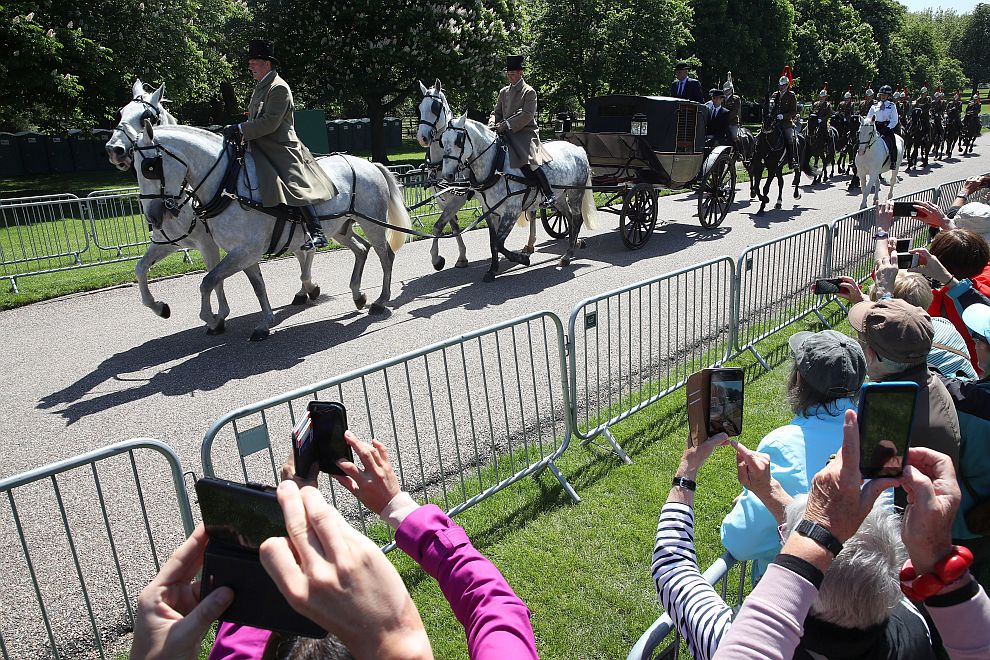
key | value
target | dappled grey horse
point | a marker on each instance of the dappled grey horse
(188, 166)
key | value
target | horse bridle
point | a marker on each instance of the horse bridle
(151, 113)
(464, 137)
(436, 108)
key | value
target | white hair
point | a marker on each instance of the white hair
(862, 586)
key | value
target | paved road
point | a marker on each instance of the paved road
(86, 370)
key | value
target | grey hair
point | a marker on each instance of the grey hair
(862, 586)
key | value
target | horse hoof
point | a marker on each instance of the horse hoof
(461, 263)
(299, 299)
(488, 277)
(165, 311)
(528, 250)
(314, 293)
(439, 263)
(377, 309)
(522, 259)
(360, 301)
(260, 335)
(219, 330)
(778, 205)
(582, 244)
(565, 261)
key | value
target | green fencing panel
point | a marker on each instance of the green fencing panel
(311, 127)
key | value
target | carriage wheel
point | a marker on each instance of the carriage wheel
(718, 190)
(639, 215)
(555, 223)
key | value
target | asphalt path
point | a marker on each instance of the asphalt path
(83, 371)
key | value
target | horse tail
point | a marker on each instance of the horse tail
(589, 211)
(397, 213)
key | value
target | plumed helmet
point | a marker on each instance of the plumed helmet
(786, 77)
(886, 89)
(868, 92)
(939, 94)
(897, 95)
(783, 81)
(728, 87)
(822, 94)
(924, 90)
(849, 93)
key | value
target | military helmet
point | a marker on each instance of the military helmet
(822, 94)
(868, 92)
(784, 80)
(897, 95)
(886, 89)
(939, 94)
(924, 90)
(847, 95)
(728, 87)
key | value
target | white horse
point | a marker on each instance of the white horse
(872, 161)
(193, 166)
(469, 146)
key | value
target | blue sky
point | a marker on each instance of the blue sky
(961, 6)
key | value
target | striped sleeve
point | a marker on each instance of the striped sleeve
(700, 615)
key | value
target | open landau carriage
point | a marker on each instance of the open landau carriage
(639, 145)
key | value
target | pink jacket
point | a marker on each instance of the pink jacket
(495, 619)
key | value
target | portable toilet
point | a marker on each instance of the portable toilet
(34, 152)
(333, 136)
(346, 131)
(393, 132)
(311, 127)
(83, 152)
(60, 154)
(362, 134)
(10, 156)
(98, 145)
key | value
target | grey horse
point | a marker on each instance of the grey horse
(191, 160)
(470, 146)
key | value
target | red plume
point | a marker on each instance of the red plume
(850, 88)
(790, 76)
(826, 85)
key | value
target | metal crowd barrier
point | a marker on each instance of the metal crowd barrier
(42, 236)
(462, 418)
(418, 191)
(773, 285)
(947, 194)
(631, 346)
(78, 545)
(716, 575)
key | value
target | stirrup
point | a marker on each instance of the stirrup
(314, 240)
(549, 202)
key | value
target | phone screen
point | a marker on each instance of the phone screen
(905, 210)
(903, 245)
(725, 407)
(329, 423)
(885, 416)
(237, 514)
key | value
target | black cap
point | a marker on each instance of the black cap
(717, 92)
(260, 49)
(681, 66)
(514, 62)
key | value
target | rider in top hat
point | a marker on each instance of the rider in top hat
(684, 86)
(783, 105)
(717, 124)
(733, 105)
(514, 118)
(866, 103)
(885, 115)
(287, 172)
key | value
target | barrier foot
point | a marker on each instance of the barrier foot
(185, 257)
(564, 483)
(13, 285)
(759, 358)
(616, 448)
(822, 319)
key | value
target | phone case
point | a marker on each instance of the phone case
(321, 412)
(698, 390)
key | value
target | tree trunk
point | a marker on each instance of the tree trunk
(376, 113)
(231, 106)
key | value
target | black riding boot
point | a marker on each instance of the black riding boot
(316, 237)
(888, 139)
(549, 201)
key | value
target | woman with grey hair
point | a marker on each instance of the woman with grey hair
(859, 612)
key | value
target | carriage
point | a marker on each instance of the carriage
(640, 145)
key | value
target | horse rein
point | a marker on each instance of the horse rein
(151, 113)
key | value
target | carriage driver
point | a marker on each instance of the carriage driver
(287, 172)
(885, 114)
(514, 118)
(783, 105)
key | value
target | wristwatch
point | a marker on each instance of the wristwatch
(684, 483)
(822, 536)
(880, 235)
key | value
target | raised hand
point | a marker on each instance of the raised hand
(933, 499)
(375, 484)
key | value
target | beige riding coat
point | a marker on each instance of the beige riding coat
(516, 106)
(287, 172)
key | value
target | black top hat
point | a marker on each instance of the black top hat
(681, 66)
(717, 92)
(514, 62)
(260, 49)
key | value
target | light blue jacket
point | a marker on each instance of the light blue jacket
(797, 451)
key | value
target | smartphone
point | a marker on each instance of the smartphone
(725, 403)
(238, 518)
(886, 413)
(828, 287)
(329, 419)
(905, 210)
(907, 260)
(903, 245)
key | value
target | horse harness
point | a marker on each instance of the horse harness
(495, 174)
(436, 108)
(151, 113)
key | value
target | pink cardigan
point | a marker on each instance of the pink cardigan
(495, 619)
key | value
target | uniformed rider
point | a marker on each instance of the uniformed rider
(846, 105)
(733, 104)
(783, 106)
(286, 170)
(514, 118)
(885, 115)
(925, 103)
(938, 105)
(867, 103)
(902, 103)
(823, 106)
(974, 105)
(717, 122)
(954, 107)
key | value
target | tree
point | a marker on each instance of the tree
(972, 46)
(585, 48)
(886, 18)
(752, 39)
(370, 53)
(834, 45)
(928, 61)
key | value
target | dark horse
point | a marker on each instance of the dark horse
(937, 135)
(771, 153)
(953, 133)
(822, 140)
(851, 145)
(971, 130)
(916, 138)
(745, 146)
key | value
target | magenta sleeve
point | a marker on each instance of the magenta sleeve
(237, 642)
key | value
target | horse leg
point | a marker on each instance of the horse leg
(211, 257)
(571, 202)
(865, 189)
(530, 247)
(359, 247)
(387, 259)
(307, 290)
(504, 227)
(493, 244)
(234, 262)
(263, 329)
(435, 258)
(156, 252)
(462, 261)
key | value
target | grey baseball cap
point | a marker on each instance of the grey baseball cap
(829, 361)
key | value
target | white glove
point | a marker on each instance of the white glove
(780, 116)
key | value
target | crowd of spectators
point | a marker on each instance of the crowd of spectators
(846, 592)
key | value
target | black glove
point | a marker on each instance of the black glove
(232, 132)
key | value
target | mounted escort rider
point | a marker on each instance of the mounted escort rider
(514, 118)
(885, 115)
(867, 103)
(287, 173)
(938, 105)
(783, 105)
(733, 105)
(925, 103)
(717, 123)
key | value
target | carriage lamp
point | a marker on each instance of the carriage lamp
(639, 124)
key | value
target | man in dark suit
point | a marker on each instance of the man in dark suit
(717, 124)
(685, 87)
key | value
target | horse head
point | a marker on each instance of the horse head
(433, 112)
(866, 134)
(144, 106)
(457, 147)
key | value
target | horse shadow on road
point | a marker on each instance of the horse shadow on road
(189, 361)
